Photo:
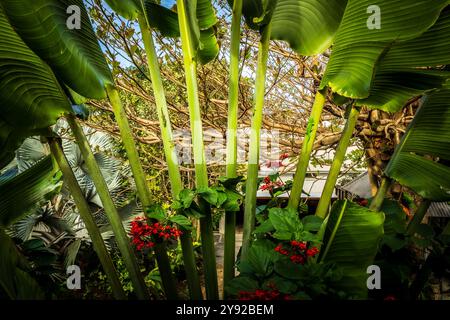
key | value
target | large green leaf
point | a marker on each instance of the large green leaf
(400, 74)
(391, 91)
(129, 9)
(158, 17)
(10, 140)
(162, 19)
(206, 16)
(14, 280)
(257, 13)
(351, 238)
(202, 18)
(357, 48)
(25, 190)
(309, 26)
(73, 54)
(428, 136)
(30, 97)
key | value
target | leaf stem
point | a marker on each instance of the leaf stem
(170, 154)
(308, 143)
(334, 231)
(201, 174)
(378, 200)
(231, 172)
(86, 214)
(251, 188)
(418, 217)
(127, 138)
(325, 199)
(101, 186)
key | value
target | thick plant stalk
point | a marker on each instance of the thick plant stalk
(120, 234)
(308, 143)
(325, 199)
(130, 147)
(253, 165)
(86, 215)
(170, 154)
(201, 174)
(418, 217)
(126, 135)
(192, 277)
(165, 272)
(378, 200)
(233, 107)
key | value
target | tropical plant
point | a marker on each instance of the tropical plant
(151, 15)
(38, 100)
(285, 254)
(392, 88)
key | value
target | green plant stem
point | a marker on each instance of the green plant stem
(324, 252)
(170, 154)
(378, 200)
(253, 165)
(327, 193)
(201, 174)
(165, 271)
(126, 135)
(308, 143)
(418, 217)
(130, 147)
(86, 215)
(229, 254)
(193, 280)
(161, 107)
(422, 278)
(120, 234)
(233, 107)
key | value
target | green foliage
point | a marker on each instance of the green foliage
(400, 73)
(63, 49)
(287, 225)
(427, 136)
(31, 98)
(156, 212)
(309, 26)
(14, 278)
(129, 9)
(350, 240)
(24, 191)
(162, 19)
(201, 21)
(267, 270)
(357, 50)
(222, 196)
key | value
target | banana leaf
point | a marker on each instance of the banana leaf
(73, 54)
(420, 161)
(350, 240)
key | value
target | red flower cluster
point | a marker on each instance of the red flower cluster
(298, 252)
(145, 234)
(284, 156)
(264, 295)
(270, 185)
